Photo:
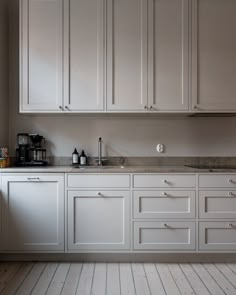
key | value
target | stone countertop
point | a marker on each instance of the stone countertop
(115, 169)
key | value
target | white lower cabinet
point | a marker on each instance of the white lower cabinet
(165, 235)
(98, 220)
(164, 204)
(33, 212)
(217, 235)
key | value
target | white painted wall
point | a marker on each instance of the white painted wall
(3, 73)
(124, 135)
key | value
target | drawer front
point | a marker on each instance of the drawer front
(217, 235)
(164, 235)
(228, 181)
(98, 181)
(164, 180)
(217, 204)
(164, 204)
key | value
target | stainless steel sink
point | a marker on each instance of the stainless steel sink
(99, 167)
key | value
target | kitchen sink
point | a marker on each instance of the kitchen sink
(99, 167)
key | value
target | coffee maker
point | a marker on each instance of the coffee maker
(29, 150)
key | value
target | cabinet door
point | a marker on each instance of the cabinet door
(214, 55)
(126, 55)
(168, 74)
(85, 55)
(33, 212)
(41, 38)
(98, 220)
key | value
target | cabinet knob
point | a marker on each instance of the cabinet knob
(231, 194)
(145, 107)
(66, 107)
(195, 107)
(165, 224)
(165, 194)
(230, 181)
(60, 107)
(165, 181)
(151, 107)
(230, 225)
(99, 194)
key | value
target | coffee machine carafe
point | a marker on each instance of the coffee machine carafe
(38, 153)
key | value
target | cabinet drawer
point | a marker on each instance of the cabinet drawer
(164, 204)
(217, 204)
(164, 235)
(98, 181)
(228, 180)
(217, 235)
(164, 180)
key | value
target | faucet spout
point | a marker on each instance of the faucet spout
(100, 151)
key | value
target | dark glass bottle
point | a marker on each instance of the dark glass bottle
(75, 157)
(83, 159)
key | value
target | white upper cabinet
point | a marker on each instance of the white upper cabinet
(84, 20)
(214, 55)
(41, 55)
(168, 53)
(127, 55)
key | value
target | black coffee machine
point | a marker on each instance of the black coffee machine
(29, 150)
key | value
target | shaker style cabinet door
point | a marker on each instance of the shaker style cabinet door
(41, 55)
(168, 55)
(98, 220)
(84, 54)
(214, 55)
(127, 55)
(33, 212)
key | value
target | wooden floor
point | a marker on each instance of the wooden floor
(115, 278)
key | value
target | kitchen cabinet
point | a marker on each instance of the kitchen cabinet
(33, 212)
(220, 235)
(168, 55)
(41, 56)
(85, 37)
(98, 220)
(164, 235)
(127, 55)
(213, 55)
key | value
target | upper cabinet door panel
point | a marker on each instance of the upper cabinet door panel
(86, 54)
(126, 55)
(168, 73)
(214, 55)
(41, 55)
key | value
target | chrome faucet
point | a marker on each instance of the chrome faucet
(100, 151)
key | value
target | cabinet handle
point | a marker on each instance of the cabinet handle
(195, 107)
(165, 181)
(165, 224)
(60, 107)
(66, 107)
(150, 107)
(230, 225)
(145, 107)
(33, 178)
(99, 194)
(231, 194)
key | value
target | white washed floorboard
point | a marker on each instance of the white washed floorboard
(140, 280)
(113, 279)
(86, 279)
(72, 280)
(99, 279)
(153, 279)
(58, 279)
(126, 279)
(167, 279)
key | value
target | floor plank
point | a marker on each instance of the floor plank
(167, 279)
(220, 279)
(180, 280)
(140, 279)
(45, 279)
(153, 279)
(227, 272)
(18, 279)
(210, 283)
(126, 279)
(99, 279)
(32, 279)
(58, 279)
(86, 279)
(113, 279)
(7, 272)
(195, 282)
(72, 280)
